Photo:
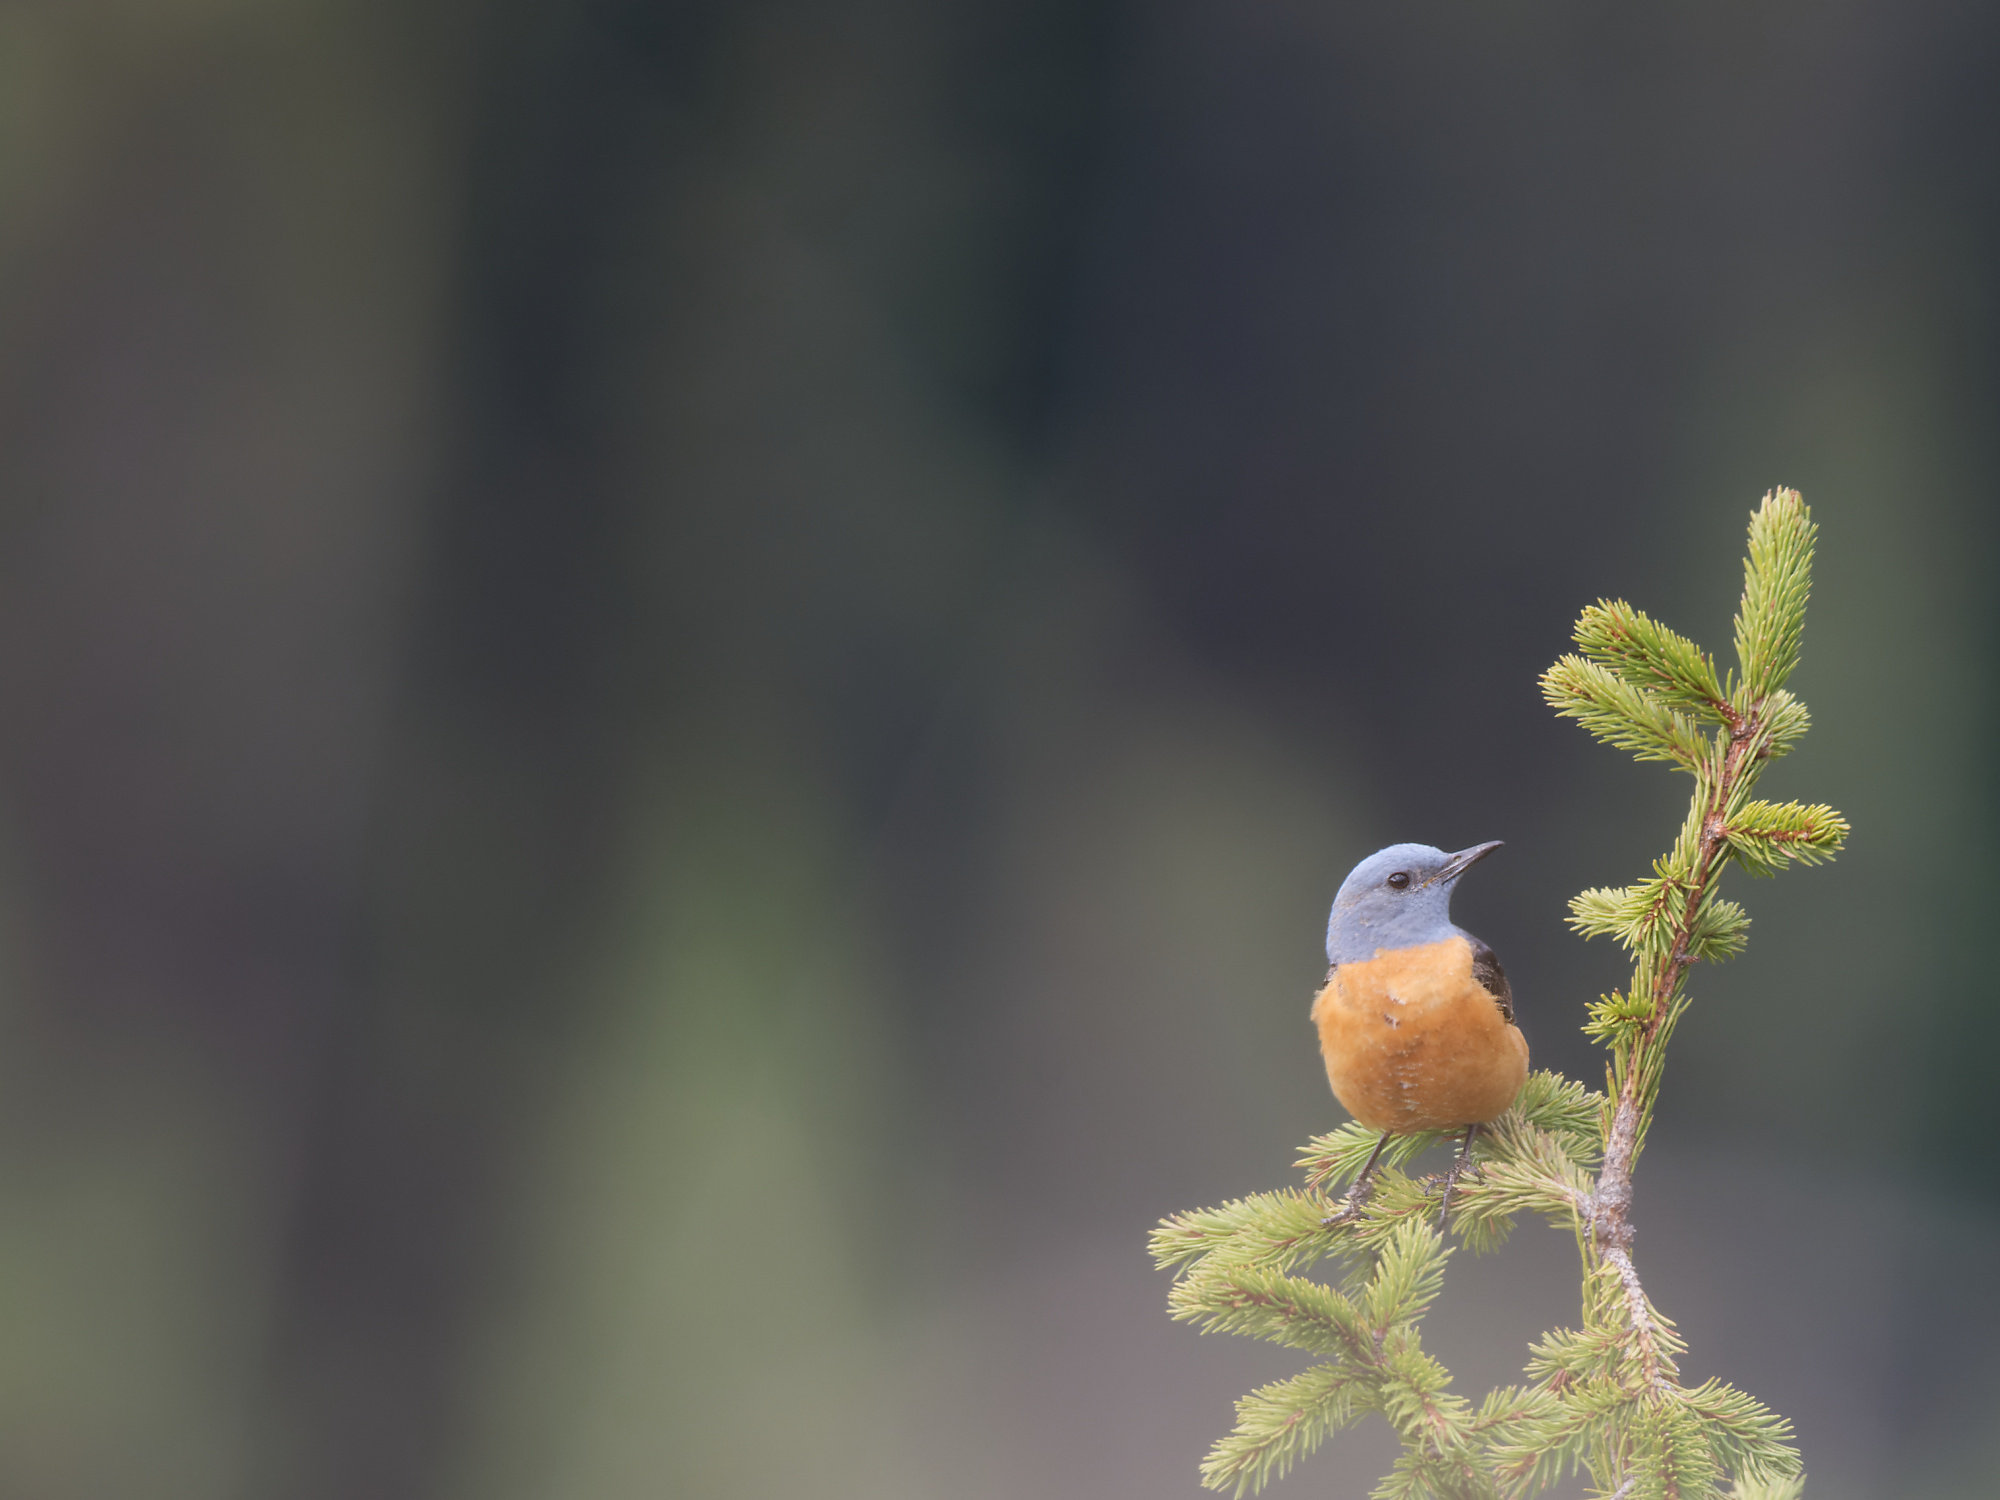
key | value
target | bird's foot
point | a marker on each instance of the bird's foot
(1448, 1180)
(1352, 1203)
(1357, 1195)
(1460, 1166)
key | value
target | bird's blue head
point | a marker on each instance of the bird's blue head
(1397, 897)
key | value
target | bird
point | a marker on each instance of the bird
(1416, 1019)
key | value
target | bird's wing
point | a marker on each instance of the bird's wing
(1492, 978)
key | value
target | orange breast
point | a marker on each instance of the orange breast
(1413, 1042)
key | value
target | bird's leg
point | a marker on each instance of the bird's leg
(1457, 1171)
(1357, 1195)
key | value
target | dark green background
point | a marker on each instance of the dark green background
(684, 684)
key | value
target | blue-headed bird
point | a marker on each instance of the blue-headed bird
(1416, 1021)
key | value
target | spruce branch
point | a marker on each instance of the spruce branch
(1620, 713)
(1604, 1398)
(1281, 1230)
(1652, 658)
(1689, 923)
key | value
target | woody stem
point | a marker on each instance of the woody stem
(1610, 1202)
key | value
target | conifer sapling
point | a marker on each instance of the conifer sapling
(1604, 1397)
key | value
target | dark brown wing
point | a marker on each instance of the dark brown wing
(1492, 978)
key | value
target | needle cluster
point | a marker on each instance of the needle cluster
(1606, 1397)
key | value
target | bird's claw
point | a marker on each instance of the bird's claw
(1462, 1165)
(1352, 1204)
(1444, 1199)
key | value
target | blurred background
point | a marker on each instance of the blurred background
(685, 682)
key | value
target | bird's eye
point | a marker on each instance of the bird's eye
(1400, 879)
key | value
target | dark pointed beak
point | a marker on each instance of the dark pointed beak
(1462, 861)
